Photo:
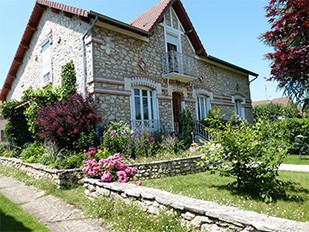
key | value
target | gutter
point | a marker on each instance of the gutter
(253, 79)
(84, 90)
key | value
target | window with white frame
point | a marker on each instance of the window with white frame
(202, 107)
(239, 106)
(46, 62)
(144, 108)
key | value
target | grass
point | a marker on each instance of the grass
(294, 159)
(116, 214)
(213, 187)
(14, 218)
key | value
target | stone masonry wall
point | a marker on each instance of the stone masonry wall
(202, 215)
(66, 36)
(62, 178)
(159, 169)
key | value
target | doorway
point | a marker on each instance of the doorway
(176, 110)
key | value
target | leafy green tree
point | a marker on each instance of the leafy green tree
(273, 111)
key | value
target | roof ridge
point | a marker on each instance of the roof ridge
(63, 7)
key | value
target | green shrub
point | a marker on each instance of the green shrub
(250, 153)
(16, 130)
(292, 127)
(186, 127)
(32, 152)
(273, 111)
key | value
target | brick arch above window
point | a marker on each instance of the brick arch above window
(142, 81)
(203, 92)
(239, 97)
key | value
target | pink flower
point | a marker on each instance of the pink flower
(139, 182)
(120, 166)
(122, 176)
(106, 176)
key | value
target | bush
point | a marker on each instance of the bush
(172, 144)
(32, 153)
(63, 122)
(109, 169)
(186, 127)
(250, 153)
(16, 130)
(273, 111)
(292, 127)
(130, 143)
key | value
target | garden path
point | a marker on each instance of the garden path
(294, 167)
(55, 214)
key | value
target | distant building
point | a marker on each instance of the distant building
(285, 101)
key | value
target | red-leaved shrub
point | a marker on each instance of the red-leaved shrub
(63, 122)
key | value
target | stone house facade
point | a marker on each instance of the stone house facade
(143, 72)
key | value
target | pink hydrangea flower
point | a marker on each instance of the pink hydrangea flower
(122, 176)
(106, 176)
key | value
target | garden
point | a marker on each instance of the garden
(59, 128)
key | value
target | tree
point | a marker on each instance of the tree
(289, 36)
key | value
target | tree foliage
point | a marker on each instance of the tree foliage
(273, 111)
(289, 36)
(63, 122)
(16, 130)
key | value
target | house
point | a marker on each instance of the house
(3, 122)
(143, 72)
(285, 101)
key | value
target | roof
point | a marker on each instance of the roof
(152, 17)
(283, 101)
(143, 25)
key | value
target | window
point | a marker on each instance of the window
(144, 108)
(239, 106)
(46, 62)
(202, 107)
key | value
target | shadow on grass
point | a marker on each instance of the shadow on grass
(284, 190)
(9, 224)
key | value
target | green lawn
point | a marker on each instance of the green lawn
(294, 159)
(214, 188)
(14, 218)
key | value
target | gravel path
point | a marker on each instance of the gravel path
(54, 213)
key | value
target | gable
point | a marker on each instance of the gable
(151, 18)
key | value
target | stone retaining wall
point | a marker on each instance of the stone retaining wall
(62, 177)
(159, 169)
(203, 215)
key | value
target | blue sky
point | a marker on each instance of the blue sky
(228, 29)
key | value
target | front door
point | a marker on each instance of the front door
(176, 110)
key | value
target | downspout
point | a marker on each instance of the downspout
(84, 90)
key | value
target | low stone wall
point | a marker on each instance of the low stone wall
(202, 215)
(159, 169)
(63, 178)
